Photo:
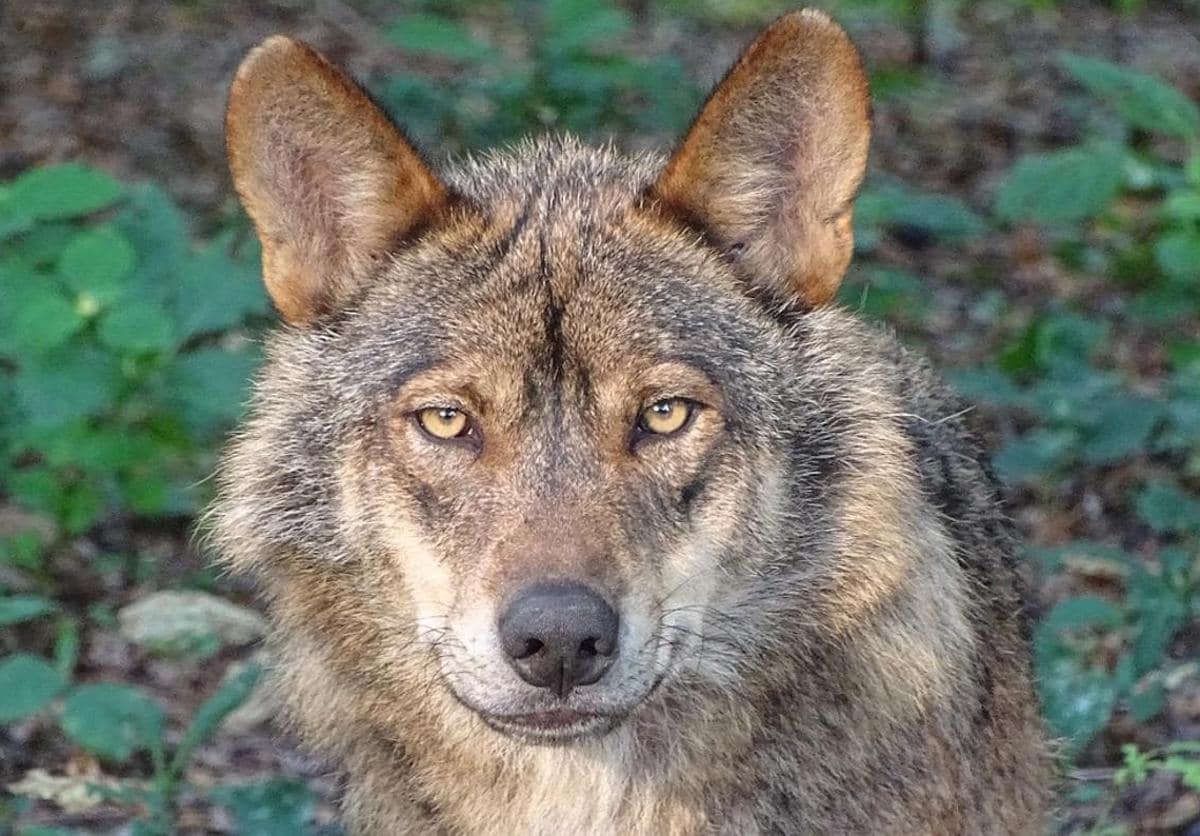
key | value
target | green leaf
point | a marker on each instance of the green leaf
(1188, 770)
(277, 807)
(208, 388)
(11, 222)
(575, 26)
(66, 646)
(66, 384)
(887, 293)
(16, 609)
(987, 384)
(438, 37)
(1069, 397)
(1136, 766)
(43, 245)
(137, 326)
(1120, 427)
(62, 191)
(1064, 341)
(97, 262)
(112, 721)
(1077, 701)
(1034, 456)
(1191, 170)
(41, 318)
(232, 693)
(1182, 206)
(1185, 355)
(1156, 629)
(1178, 255)
(894, 204)
(1168, 510)
(215, 293)
(1148, 703)
(1082, 613)
(1161, 305)
(27, 685)
(23, 550)
(1061, 187)
(1142, 100)
(153, 224)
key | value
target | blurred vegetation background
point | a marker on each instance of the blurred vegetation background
(1031, 221)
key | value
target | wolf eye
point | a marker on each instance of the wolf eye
(665, 417)
(444, 422)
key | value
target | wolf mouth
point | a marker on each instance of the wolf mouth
(553, 727)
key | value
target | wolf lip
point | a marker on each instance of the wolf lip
(550, 720)
(556, 726)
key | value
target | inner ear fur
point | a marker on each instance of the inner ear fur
(770, 168)
(328, 180)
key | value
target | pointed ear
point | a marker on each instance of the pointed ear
(329, 182)
(770, 167)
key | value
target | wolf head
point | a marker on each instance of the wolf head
(538, 420)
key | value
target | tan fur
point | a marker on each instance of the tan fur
(820, 625)
(301, 133)
(792, 116)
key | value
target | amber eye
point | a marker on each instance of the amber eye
(444, 422)
(666, 416)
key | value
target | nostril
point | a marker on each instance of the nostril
(532, 648)
(595, 646)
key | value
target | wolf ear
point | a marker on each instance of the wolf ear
(770, 167)
(329, 182)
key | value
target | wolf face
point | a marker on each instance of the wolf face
(542, 416)
(568, 425)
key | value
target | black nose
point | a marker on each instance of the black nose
(558, 636)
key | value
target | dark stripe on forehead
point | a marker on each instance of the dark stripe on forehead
(506, 243)
(552, 317)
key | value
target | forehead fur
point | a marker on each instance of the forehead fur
(561, 169)
(553, 260)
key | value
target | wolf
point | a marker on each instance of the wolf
(578, 504)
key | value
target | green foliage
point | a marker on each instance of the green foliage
(1126, 210)
(1093, 654)
(1143, 101)
(1079, 411)
(56, 193)
(232, 693)
(890, 205)
(277, 807)
(1081, 184)
(1062, 186)
(1180, 759)
(27, 685)
(15, 609)
(117, 722)
(112, 721)
(116, 378)
(1169, 510)
(120, 369)
(564, 67)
